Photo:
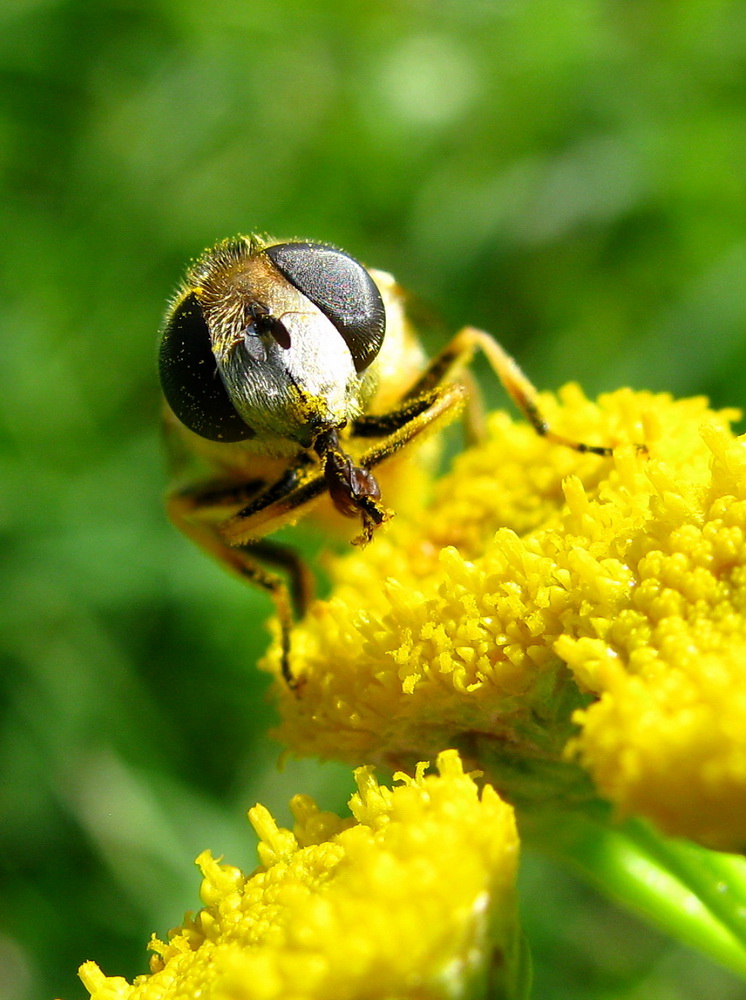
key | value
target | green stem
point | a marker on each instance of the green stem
(696, 895)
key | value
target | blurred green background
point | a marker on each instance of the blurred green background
(569, 175)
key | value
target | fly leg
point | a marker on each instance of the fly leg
(202, 515)
(457, 354)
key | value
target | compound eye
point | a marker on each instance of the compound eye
(190, 380)
(341, 288)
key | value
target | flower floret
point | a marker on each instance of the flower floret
(550, 608)
(414, 893)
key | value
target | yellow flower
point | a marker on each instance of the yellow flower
(414, 897)
(575, 625)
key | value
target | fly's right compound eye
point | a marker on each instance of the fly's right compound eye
(190, 380)
(341, 288)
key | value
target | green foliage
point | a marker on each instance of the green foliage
(568, 175)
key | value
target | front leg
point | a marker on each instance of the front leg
(457, 354)
(353, 488)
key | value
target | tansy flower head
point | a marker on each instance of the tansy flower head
(558, 616)
(412, 897)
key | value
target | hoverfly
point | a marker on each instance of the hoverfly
(290, 371)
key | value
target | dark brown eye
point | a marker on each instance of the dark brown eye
(341, 288)
(190, 380)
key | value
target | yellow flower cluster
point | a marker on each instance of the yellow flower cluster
(352, 908)
(575, 615)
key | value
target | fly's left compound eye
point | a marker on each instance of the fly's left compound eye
(190, 380)
(341, 288)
